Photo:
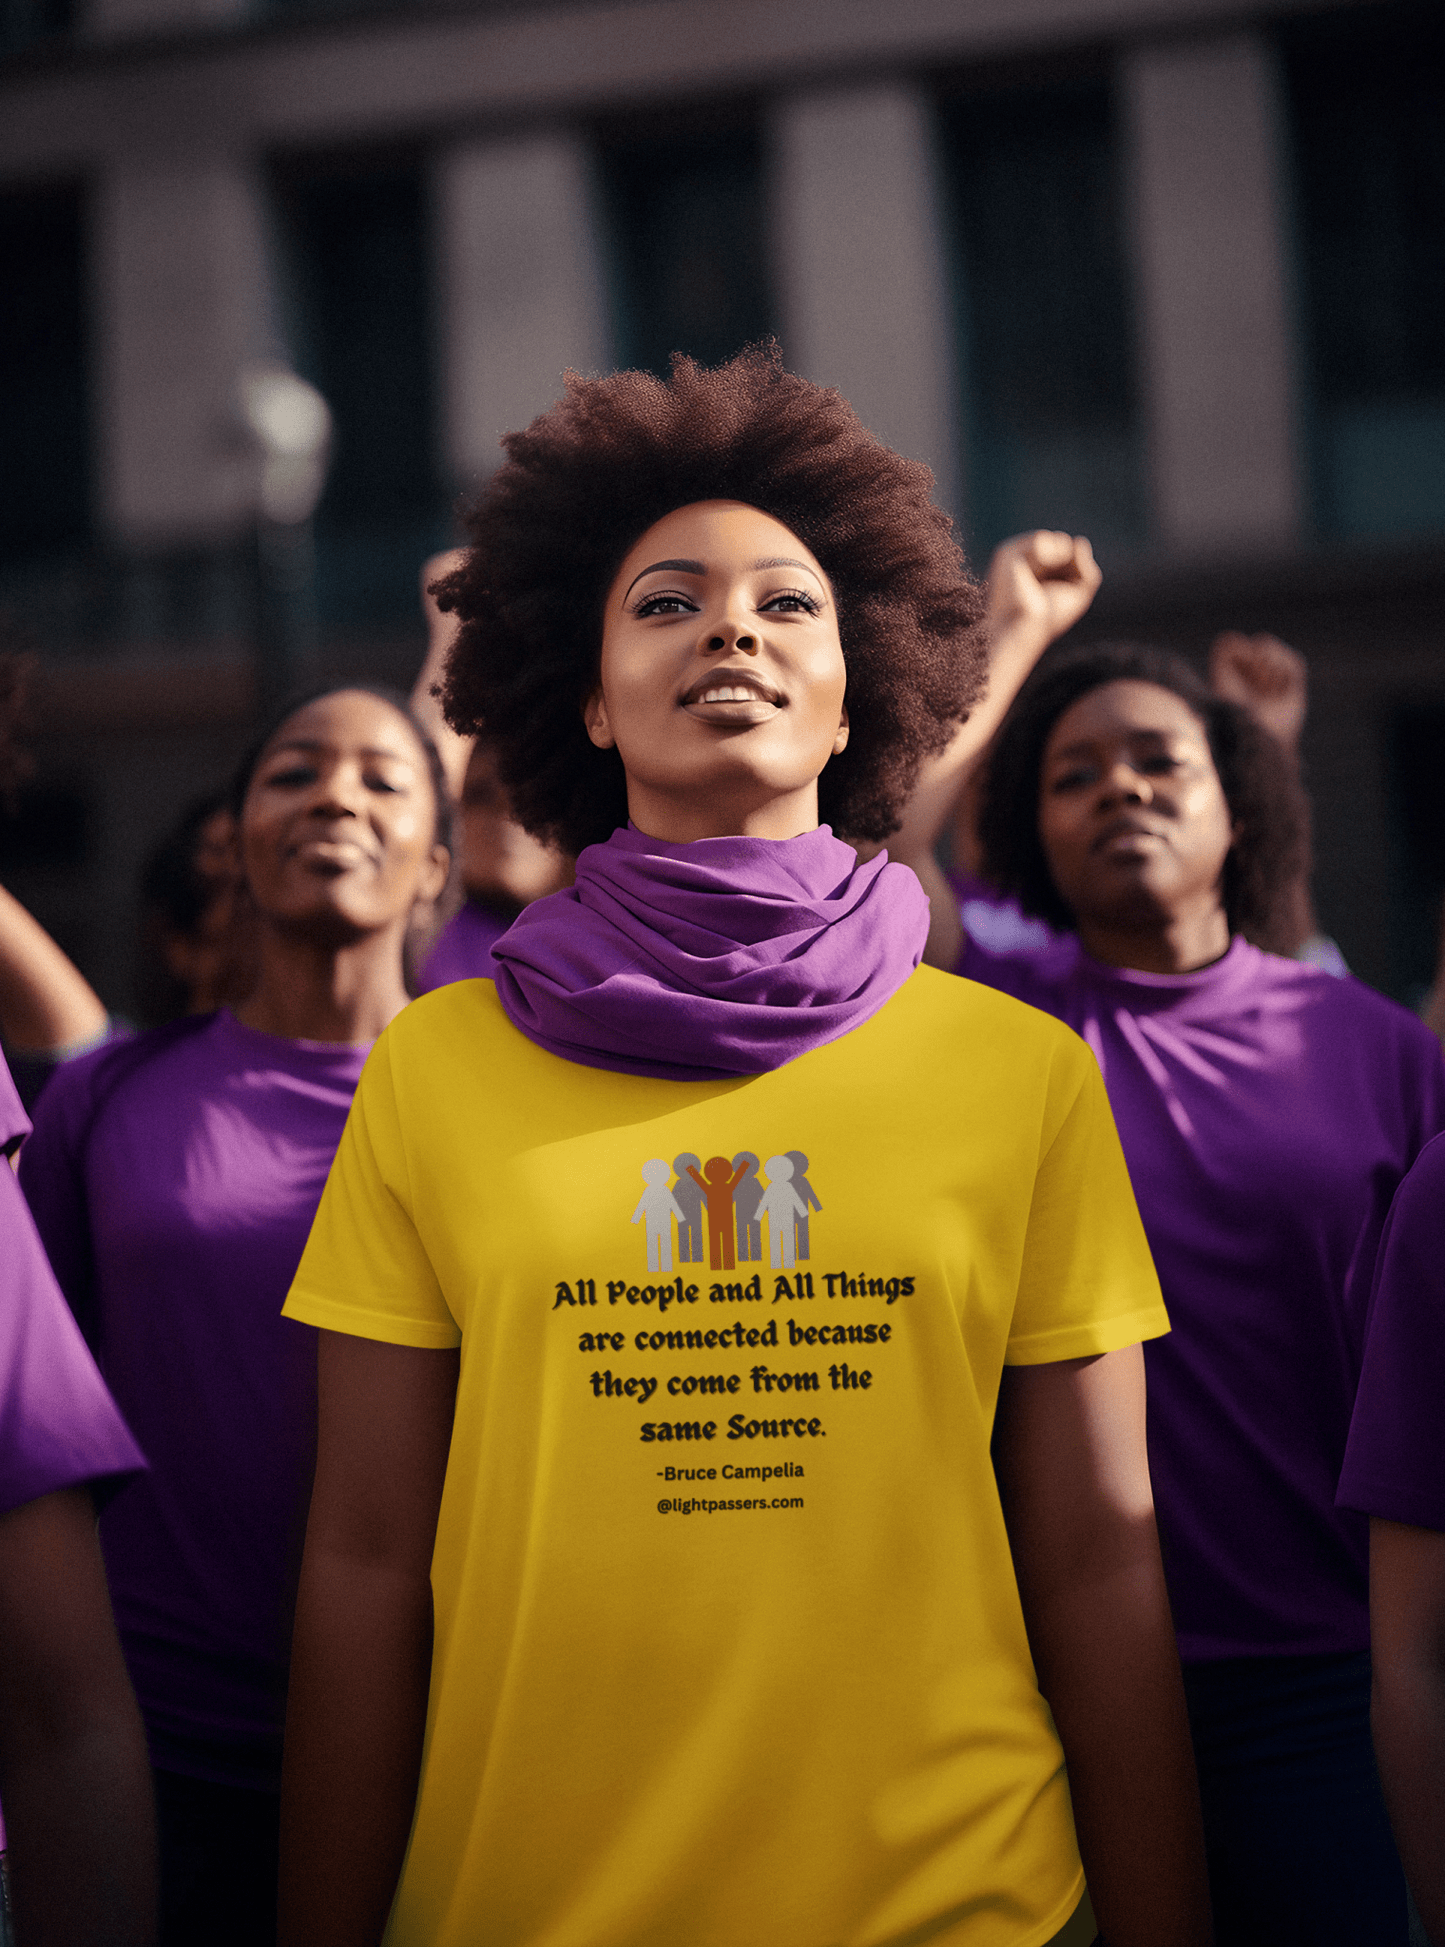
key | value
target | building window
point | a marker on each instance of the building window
(26, 23)
(356, 274)
(1052, 434)
(684, 219)
(45, 486)
(1369, 148)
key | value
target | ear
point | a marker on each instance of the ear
(594, 716)
(433, 879)
(232, 847)
(840, 742)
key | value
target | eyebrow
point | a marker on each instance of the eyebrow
(700, 568)
(310, 744)
(1085, 745)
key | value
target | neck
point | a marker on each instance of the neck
(312, 992)
(1174, 943)
(682, 820)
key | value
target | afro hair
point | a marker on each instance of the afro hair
(1266, 801)
(614, 455)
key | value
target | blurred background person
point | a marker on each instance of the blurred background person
(77, 1845)
(501, 867)
(1271, 681)
(173, 1179)
(1040, 585)
(197, 927)
(1267, 1112)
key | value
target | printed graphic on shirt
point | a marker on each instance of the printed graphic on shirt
(736, 1200)
(755, 1211)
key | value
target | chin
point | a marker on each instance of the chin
(330, 925)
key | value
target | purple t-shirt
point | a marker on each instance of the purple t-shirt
(1395, 1460)
(1267, 1111)
(58, 1425)
(174, 1179)
(463, 949)
(996, 922)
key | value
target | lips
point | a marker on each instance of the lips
(724, 685)
(329, 854)
(1118, 832)
(731, 698)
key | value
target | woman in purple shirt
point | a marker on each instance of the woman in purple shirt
(1267, 1112)
(174, 1179)
(73, 1777)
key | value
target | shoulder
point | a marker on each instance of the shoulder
(88, 1083)
(963, 1035)
(467, 1008)
(1345, 1001)
(1044, 977)
(1420, 1198)
(443, 1041)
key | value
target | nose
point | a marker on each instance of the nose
(730, 633)
(1123, 784)
(337, 793)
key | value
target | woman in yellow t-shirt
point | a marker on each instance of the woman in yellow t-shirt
(791, 1579)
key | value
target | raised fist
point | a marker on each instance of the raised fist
(1269, 678)
(1040, 584)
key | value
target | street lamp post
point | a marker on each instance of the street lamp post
(290, 426)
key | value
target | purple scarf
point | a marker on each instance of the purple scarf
(695, 963)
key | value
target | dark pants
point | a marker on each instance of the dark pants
(219, 1850)
(1299, 1843)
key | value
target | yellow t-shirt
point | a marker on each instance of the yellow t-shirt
(728, 1646)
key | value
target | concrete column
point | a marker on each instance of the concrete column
(521, 288)
(858, 265)
(180, 296)
(1209, 236)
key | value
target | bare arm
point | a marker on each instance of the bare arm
(1074, 1475)
(74, 1776)
(1407, 1630)
(1271, 681)
(1038, 586)
(441, 633)
(46, 1003)
(361, 1655)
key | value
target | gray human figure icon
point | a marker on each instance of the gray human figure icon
(783, 1207)
(746, 1198)
(658, 1206)
(688, 1195)
(805, 1190)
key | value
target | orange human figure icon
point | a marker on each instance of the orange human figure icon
(718, 1181)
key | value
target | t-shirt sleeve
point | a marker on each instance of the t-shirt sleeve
(365, 1270)
(14, 1123)
(1395, 1457)
(52, 1175)
(1087, 1282)
(59, 1426)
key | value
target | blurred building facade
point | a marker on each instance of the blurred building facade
(1167, 272)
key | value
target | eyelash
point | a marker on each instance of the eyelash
(684, 605)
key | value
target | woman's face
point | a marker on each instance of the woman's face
(500, 861)
(721, 678)
(338, 829)
(1132, 816)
